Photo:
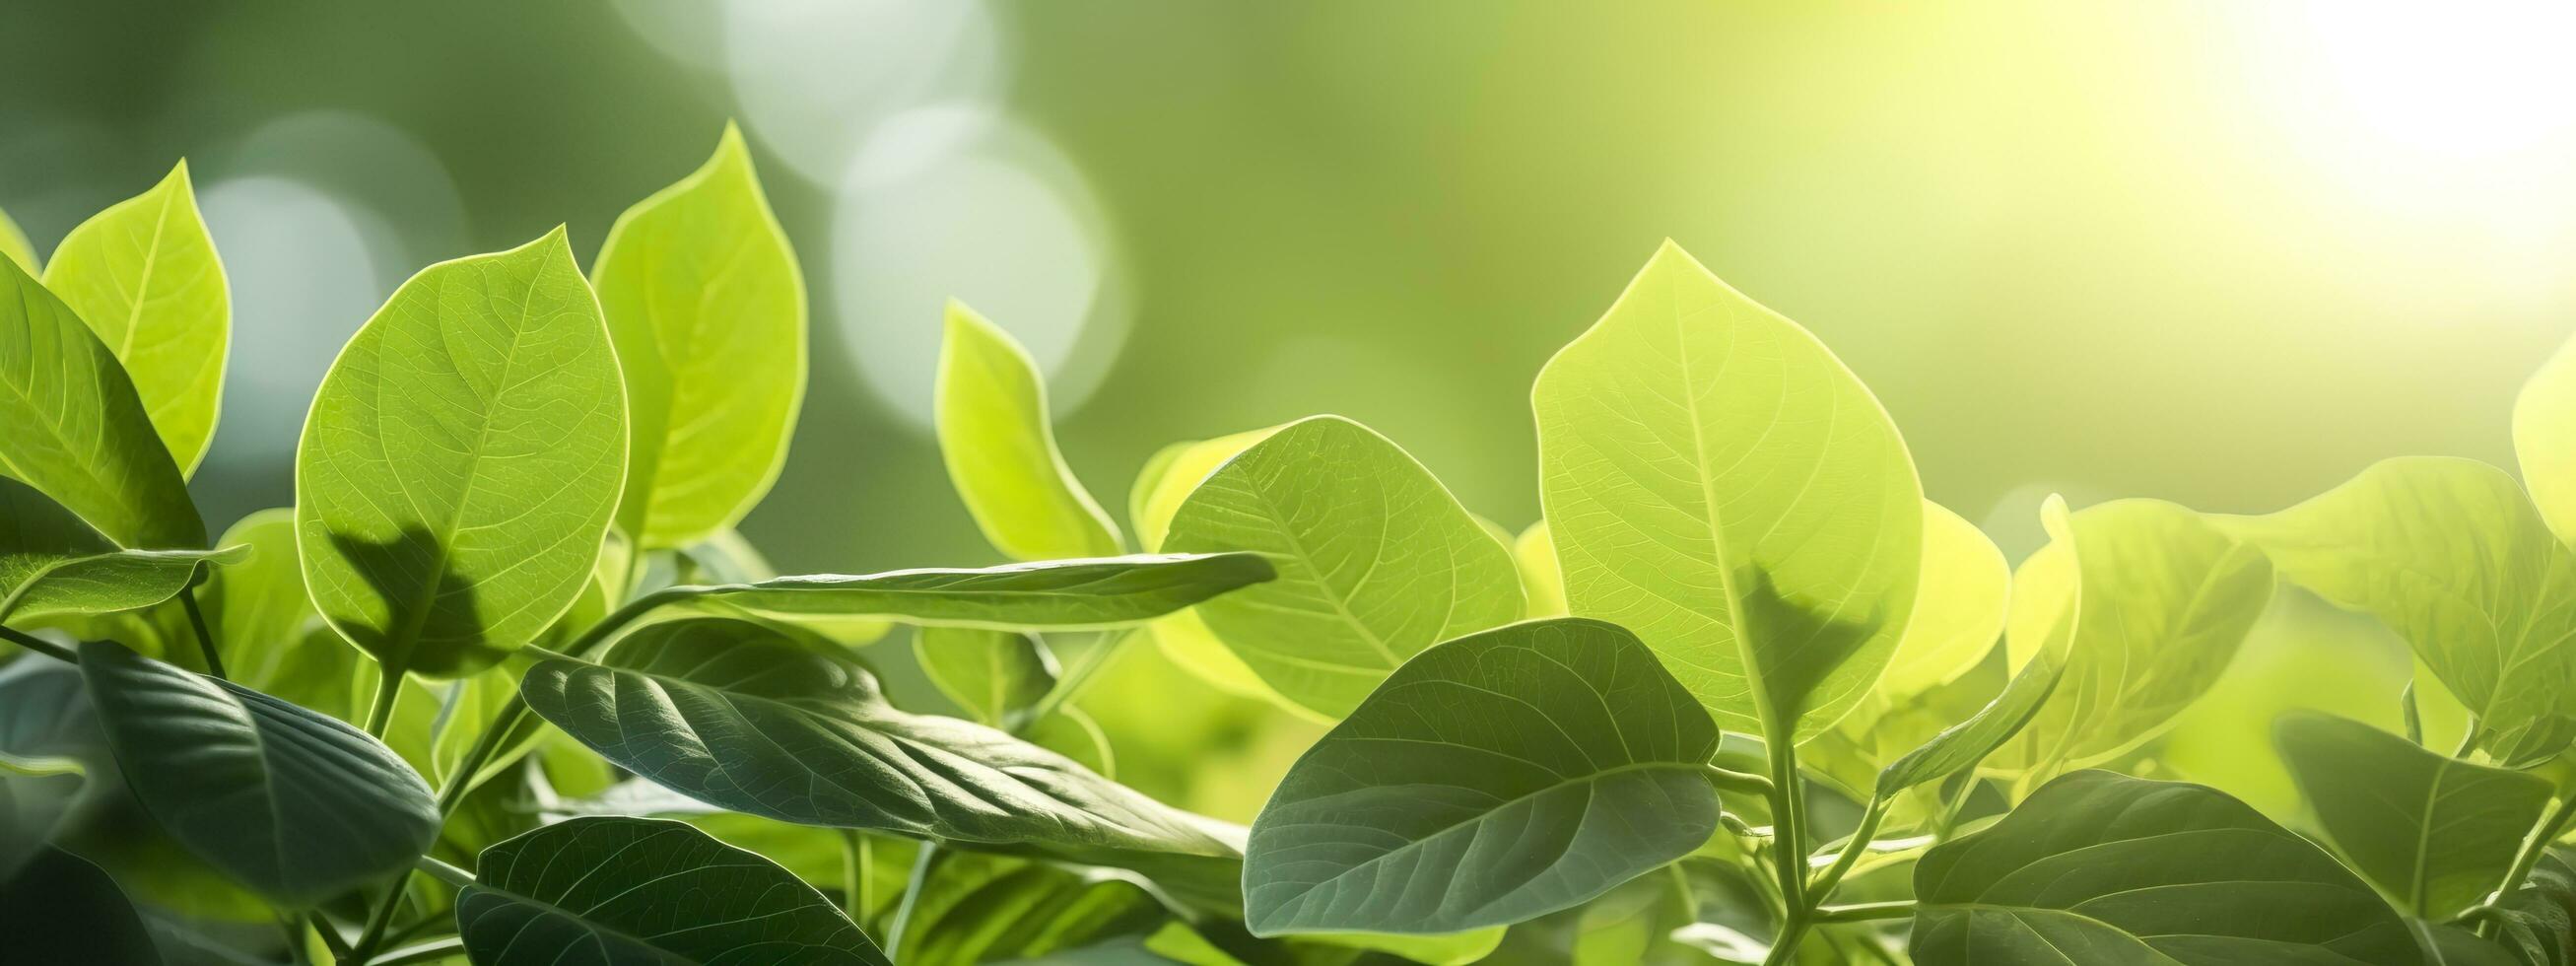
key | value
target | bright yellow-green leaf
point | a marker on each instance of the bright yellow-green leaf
(1376, 561)
(461, 462)
(1958, 614)
(2544, 439)
(2160, 602)
(1716, 481)
(1436, 949)
(1166, 481)
(707, 308)
(72, 426)
(1535, 553)
(2451, 555)
(144, 275)
(105, 583)
(993, 675)
(15, 247)
(1001, 452)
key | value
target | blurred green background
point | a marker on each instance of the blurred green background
(2221, 253)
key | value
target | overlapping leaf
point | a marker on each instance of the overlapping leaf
(2433, 833)
(993, 675)
(73, 427)
(1000, 448)
(1057, 594)
(144, 275)
(105, 583)
(1167, 480)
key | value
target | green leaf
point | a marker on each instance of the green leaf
(2451, 555)
(1534, 552)
(2099, 868)
(436, 723)
(1055, 594)
(272, 639)
(1000, 448)
(994, 675)
(1963, 745)
(291, 803)
(72, 426)
(62, 909)
(144, 275)
(15, 247)
(104, 583)
(2434, 833)
(1376, 560)
(639, 890)
(1716, 481)
(2166, 600)
(987, 908)
(1492, 779)
(1959, 612)
(461, 462)
(1161, 487)
(744, 717)
(707, 309)
(2544, 440)
(49, 744)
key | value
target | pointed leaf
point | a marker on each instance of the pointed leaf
(144, 275)
(2099, 868)
(707, 308)
(1056, 594)
(602, 891)
(72, 426)
(1965, 744)
(1716, 481)
(1376, 560)
(1162, 486)
(291, 803)
(2451, 555)
(995, 433)
(104, 583)
(994, 675)
(461, 462)
(2434, 833)
(15, 247)
(1492, 779)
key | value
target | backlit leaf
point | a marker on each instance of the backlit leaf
(15, 247)
(1161, 486)
(1492, 779)
(1716, 481)
(2433, 833)
(72, 426)
(707, 308)
(104, 583)
(995, 434)
(461, 462)
(994, 675)
(1535, 553)
(1056, 594)
(1962, 746)
(1376, 560)
(2544, 440)
(144, 275)
(1958, 614)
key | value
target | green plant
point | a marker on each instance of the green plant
(1743, 696)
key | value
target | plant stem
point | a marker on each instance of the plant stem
(2532, 849)
(389, 682)
(1788, 842)
(432, 951)
(378, 920)
(444, 872)
(1866, 911)
(205, 638)
(1071, 684)
(39, 645)
(331, 939)
(921, 865)
(855, 855)
(1824, 883)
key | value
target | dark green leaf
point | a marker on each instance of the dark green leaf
(49, 742)
(2434, 833)
(2100, 868)
(72, 426)
(599, 891)
(1058, 594)
(1491, 779)
(991, 908)
(61, 909)
(294, 804)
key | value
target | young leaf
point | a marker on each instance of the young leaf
(1491, 779)
(743, 717)
(144, 275)
(1164, 483)
(1055, 594)
(262, 617)
(2166, 601)
(1535, 554)
(62, 909)
(461, 462)
(72, 427)
(994, 675)
(2451, 555)
(1000, 448)
(2544, 440)
(291, 803)
(2434, 833)
(1376, 560)
(1716, 481)
(15, 247)
(2103, 868)
(707, 309)
(105, 583)
(601, 891)
(1965, 744)
(1959, 613)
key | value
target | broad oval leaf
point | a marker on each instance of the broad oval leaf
(1491, 779)
(104, 583)
(461, 462)
(1376, 560)
(1000, 448)
(1056, 594)
(993, 675)
(2451, 555)
(743, 717)
(707, 308)
(602, 891)
(1161, 486)
(72, 426)
(2166, 600)
(291, 803)
(2100, 868)
(1959, 613)
(2434, 833)
(1716, 481)
(144, 275)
